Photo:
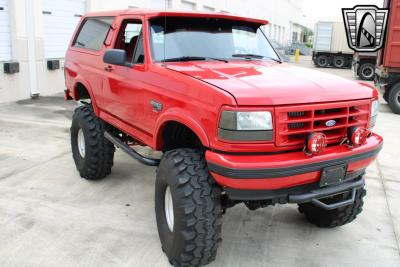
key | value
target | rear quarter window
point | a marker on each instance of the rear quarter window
(93, 32)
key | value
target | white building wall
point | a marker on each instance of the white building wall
(281, 15)
(20, 85)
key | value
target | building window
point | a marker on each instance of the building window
(279, 34)
(270, 31)
(295, 37)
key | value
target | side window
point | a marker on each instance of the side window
(139, 52)
(93, 33)
(130, 39)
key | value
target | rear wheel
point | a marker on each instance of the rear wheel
(335, 217)
(92, 152)
(394, 98)
(322, 61)
(188, 208)
(367, 71)
(339, 62)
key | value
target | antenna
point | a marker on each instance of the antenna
(165, 25)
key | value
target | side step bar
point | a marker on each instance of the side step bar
(130, 151)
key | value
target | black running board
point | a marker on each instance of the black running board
(130, 151)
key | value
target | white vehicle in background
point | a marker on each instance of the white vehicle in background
(330, 46)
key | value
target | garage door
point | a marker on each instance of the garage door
(5, 40)
(59, 21)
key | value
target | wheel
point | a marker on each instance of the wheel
(339, 62)
(336, 217)
(92, 152)
(188, 208)
(322, 61)
(386, 96)
(394, 98)
(367, 71)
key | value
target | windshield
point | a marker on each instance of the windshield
(208, 38)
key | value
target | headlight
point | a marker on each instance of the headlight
(246, 126)
(256, 121)
(374, 108)
(374, 113)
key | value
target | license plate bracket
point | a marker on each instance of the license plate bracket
(333, 175)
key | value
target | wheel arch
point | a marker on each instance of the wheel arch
(82, 88)
(182, 119)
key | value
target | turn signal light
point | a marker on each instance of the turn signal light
(316, 143)
(357, 135)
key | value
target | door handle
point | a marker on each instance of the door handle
(108, 68)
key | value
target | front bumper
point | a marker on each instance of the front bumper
(301, 194)
(255, 173)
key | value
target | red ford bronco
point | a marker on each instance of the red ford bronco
(234, 124)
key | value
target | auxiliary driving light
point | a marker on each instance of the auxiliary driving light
(316, 143)
(357, 135)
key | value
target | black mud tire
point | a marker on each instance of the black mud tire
(322, 61)
(98, 158)
(367, 72)
(394, 98)
(336, 217)
(339, 62)
(197, 210)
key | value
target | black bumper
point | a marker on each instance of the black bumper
(303, 193)
(289, 171)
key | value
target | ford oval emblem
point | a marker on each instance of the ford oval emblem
(330, 123)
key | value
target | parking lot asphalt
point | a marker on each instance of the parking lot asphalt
(49, 216)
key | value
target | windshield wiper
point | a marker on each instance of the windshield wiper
(251, 56)
(192, 58)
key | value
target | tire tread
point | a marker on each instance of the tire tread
(100, 151)
(336, 217)
(201, 205)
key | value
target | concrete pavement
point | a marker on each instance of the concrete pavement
(49, 216)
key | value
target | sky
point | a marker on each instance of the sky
(330, 10)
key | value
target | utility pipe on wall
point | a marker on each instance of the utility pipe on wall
(30, 31)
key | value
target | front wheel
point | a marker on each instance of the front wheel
(188, 208)
(335, 217)
(92, 152)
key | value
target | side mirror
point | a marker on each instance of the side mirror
(116, 57)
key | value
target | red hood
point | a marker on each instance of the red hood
(266, 83)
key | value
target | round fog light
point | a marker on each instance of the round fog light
(316, 143)
(357, 135)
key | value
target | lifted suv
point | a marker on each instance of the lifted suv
(234, 123)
